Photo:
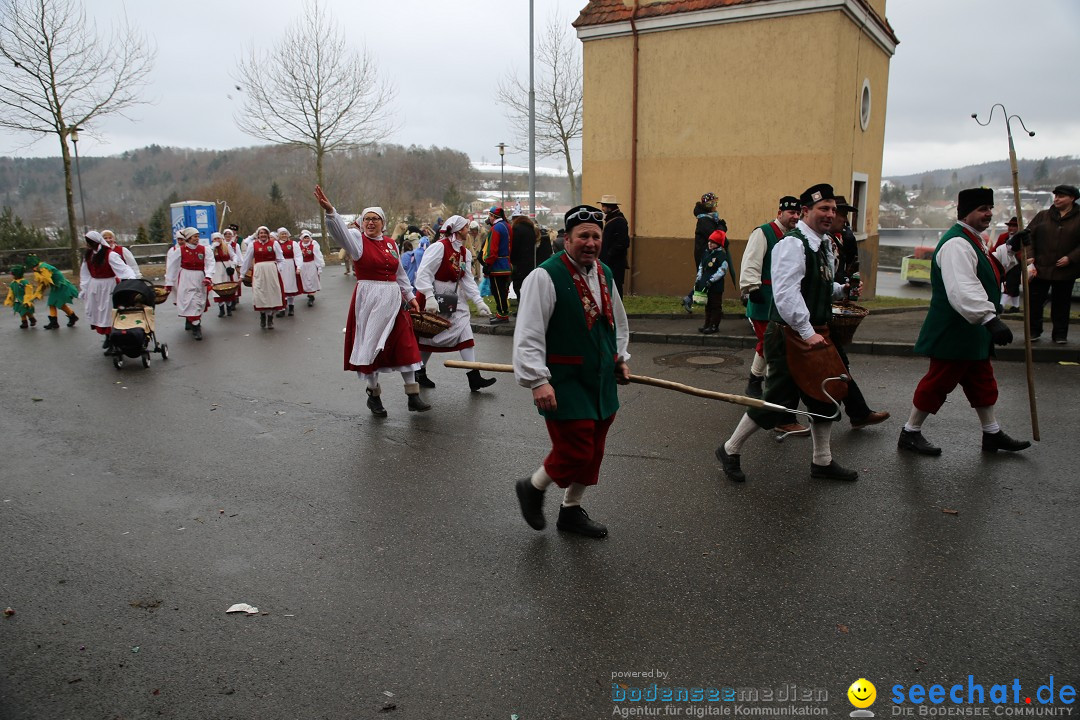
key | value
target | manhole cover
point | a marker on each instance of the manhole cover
(716, 360)
(705, 360)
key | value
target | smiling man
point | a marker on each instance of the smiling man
(570, 350)
(962, 325)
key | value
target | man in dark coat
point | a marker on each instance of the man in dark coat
(616, 242)
(1055, 239)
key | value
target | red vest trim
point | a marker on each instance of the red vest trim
(193, 258)
(103, 270)
(453, 262)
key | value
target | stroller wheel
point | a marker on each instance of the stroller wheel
(118, 361)
(146, 360)
(164, 351)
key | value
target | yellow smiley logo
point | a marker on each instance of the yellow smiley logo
(862, 693)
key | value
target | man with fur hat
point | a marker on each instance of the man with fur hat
(570, 350)
(1055, 241)
(497, 262)
(962, 325)
(802, 273)
(191, 272)
(616, 244)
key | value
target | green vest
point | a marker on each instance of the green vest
(760, 311)
(581, 361)
(817, 283)
(945, 333)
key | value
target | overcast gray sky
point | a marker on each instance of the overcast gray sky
(445, 59)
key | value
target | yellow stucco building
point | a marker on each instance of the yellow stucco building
(749, 99)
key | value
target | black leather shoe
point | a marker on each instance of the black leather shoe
(833, 471)
(477, 382)
(915, 442)
(753, 386)
(531, 501)
(574, 519)
(422, 379)
(731, 464)
(374, 403)
(992, 442)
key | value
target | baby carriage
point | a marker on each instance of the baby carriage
(133, 323)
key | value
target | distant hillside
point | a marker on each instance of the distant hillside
(1034, 174)
(122, 192)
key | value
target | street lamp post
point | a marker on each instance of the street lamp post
(78, 174)
(502, 172)
(1023, 255)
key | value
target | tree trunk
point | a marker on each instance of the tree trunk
(70, 198)
(319, 153)
(574, 200)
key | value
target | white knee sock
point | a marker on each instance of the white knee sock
(916, 419)
(743, 430)
(372, 379)
(409, 377)
(468, 354)
(821, 434)
(540, 479)
(987, 419)
(758, 366)
(573, 494)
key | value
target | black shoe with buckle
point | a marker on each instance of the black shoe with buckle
(575, 520)
(914, 441)
(833, 471)
(731, 465)
(992, 442)
(531, 501)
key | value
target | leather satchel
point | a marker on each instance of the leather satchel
(811, 366)
(447, 303)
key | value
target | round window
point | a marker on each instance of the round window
(864, 104)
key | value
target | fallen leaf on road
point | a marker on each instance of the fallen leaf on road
(842, 628)
(950, 511)
(8, 612)
(244, 608)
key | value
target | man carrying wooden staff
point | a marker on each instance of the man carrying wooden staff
(570, 350)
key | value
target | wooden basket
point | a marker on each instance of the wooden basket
(428, 325)
(226, 289)
(845, 319)
(160, 294)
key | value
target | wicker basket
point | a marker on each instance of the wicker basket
(247, 279)
(845, 319)
(160, 294)
(226, 289)
(428, 325)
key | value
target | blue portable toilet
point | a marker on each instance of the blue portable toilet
(198, 214)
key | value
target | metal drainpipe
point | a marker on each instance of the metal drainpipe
(633, 149)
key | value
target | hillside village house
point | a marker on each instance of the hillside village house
(749, 99)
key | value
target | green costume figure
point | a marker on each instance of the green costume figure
(21, 296)
(61, 290)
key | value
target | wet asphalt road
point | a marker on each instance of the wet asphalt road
(390, 557)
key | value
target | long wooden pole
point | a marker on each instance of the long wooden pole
(655, 382)
(1024, 282)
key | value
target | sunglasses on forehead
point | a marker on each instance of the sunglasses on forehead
(594, 215)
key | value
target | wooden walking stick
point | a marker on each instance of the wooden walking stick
(1023, 260)
(670, 385)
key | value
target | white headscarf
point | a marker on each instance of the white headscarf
(374, 209)
(305, 234)
(95, 236)
(283, 231)
(453, 224)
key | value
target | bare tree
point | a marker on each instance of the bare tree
(558, 88)
(63, 75)
(313, 91)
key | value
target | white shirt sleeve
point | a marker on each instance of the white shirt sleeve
(535, 306)
(119, 267)
(279, 258)
(319, 261)
(788, 270)
(753, 256)
(429, 265)
(129, 258)
(346, 237)
(172, 266)
(298, 255)
(958, 262)
(249, 255)
(208, 265)
(84, 278)
(622, 325)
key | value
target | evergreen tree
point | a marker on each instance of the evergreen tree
(141, 238)
(159, 226)
(277, 212)
(14, 235)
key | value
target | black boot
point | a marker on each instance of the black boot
(33, 321)
(753, 386)
(310, 300)
(221, 310)
(290, 311)
(262, 319)
(574, 519)
(196, 332)
(415, 403)
(374, 402)
(187, 325)
(24, 324)
(478, 383)
(269, 321)
(422, 379)
(228, 309)
(72, 319)
(52, 324)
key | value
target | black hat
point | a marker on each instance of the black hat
(235, 228)
(1012, 221)
(813, 195)
(842, 204)
(789, 202)
(1067, 190)
(581, 214)
(972, 198)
